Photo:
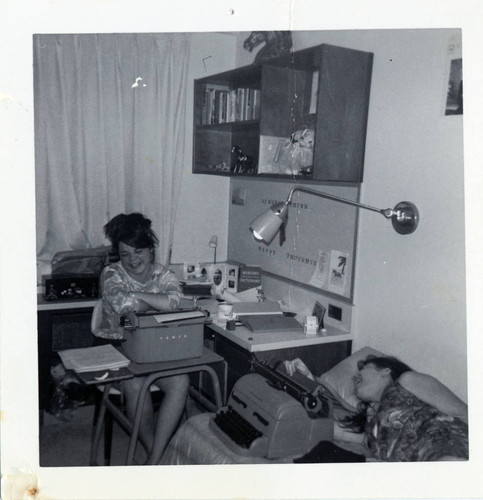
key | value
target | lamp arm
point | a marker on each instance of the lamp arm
(404, 216)
(387, 212)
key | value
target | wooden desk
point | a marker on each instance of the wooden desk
(241, 346)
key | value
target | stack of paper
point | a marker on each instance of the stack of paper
(91, 359)
(178, 316)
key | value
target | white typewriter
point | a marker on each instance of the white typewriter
(272, 415)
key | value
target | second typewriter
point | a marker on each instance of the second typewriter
(273, 416)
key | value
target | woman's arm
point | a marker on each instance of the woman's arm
(148, 301)
(431, 391)
(297, 365)
(117, 291)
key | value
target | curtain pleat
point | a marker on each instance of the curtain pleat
(110, 117)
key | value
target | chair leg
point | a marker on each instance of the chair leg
(97, 407)
(99, 416)
(108, 428)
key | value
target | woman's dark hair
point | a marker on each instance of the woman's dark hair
(357, 421)
(396, 367)
(133, 230)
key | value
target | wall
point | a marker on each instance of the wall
(409, 290)
(203, 202)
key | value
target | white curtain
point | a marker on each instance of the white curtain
(110, 125)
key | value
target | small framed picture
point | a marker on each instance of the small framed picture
(319, 313)
(453, 92)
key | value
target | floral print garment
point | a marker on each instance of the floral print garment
(401, 428)
(116, 286)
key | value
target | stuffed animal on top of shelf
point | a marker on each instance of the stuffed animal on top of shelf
(277, 43)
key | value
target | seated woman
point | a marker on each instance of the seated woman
(404, 415)
(136, 284)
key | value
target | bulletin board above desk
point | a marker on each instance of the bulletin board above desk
(320, 243)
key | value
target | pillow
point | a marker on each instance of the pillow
(338, 380)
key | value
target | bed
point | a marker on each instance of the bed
(196, 443)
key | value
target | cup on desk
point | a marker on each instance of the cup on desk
(225, 311)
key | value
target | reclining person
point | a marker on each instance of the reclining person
(403, 415)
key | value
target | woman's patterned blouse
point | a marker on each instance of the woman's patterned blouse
(116, 285)
(402, 428)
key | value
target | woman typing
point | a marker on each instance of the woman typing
(136, 284)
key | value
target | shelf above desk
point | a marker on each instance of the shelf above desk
(258, 342)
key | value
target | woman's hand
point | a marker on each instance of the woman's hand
(297, 365)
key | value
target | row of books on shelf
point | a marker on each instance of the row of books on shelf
(224, 105)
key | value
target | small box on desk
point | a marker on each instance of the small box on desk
(156, 337)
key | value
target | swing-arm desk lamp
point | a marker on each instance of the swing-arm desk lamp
(404, 216)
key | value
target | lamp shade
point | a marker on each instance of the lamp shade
(213, 242)
(267, 224)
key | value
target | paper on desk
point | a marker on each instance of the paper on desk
(250, 295)
(178, 316)
(91, 359)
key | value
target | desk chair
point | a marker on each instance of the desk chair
(152, 371)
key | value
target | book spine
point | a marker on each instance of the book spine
(256, 104)
(249, 104)
(239, 104)
(249, 277)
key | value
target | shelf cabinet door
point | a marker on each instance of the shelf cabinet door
(342, 108)
(283, 92)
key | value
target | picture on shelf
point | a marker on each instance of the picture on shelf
(289, 156)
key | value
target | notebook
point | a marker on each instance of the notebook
(91, 359)
(265, 323)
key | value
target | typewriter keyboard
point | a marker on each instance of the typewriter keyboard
(242, 432)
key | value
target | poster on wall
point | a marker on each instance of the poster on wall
(337, 271)
(454, 90)
(454, 99)
(319, 278)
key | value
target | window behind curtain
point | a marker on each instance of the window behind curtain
(110, 115)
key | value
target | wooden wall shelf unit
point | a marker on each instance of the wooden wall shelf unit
(257, 108)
